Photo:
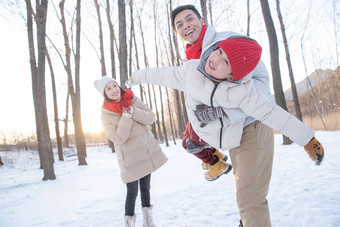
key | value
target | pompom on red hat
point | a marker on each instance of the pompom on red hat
(243, 54)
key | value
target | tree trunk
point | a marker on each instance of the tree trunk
(204, 10)
(56, 115)
(210, 13)
(122, 43)
(112, 54)
(131, 38)
(101, 43)
(74, 93)
(135, 44)
(80, 138)
(179, 103)
(304, 63)
(38, 86)
(173, 130)
(112, 35)
(66, 139)
(146, 64)
(160, 134)
(274, 59)
(248, 18)
(163, 118)
(290, 67)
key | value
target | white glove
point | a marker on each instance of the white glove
(129, 83)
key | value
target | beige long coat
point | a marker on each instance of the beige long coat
(138, 152)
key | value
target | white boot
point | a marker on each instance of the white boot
(130, 220)
(147, 217)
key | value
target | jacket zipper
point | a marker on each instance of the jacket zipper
(211, 103)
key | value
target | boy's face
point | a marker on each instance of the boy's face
(112, 91)
(218, 65)
(188, 26)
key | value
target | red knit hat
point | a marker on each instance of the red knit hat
(243, 54)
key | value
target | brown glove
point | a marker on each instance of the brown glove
(315, 151)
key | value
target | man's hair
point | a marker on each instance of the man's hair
(180, 9)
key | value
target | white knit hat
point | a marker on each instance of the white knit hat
(100, 84)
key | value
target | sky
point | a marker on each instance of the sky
(300, 194)
(16, 102)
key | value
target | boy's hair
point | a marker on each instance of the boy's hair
(180, 9)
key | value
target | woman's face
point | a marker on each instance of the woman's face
(112, 91)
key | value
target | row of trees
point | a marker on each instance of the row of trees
(130, 50)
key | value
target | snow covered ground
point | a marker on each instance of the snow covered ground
(301, 194)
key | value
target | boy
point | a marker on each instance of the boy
(222, 78)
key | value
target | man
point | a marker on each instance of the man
(252, 160)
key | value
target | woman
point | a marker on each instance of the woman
(125, 119)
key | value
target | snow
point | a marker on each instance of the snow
(300, 194)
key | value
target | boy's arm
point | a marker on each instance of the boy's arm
(265, 110)
(173, 77)
(256, 104)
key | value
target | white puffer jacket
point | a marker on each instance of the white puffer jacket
(243, 98)
(260, 75)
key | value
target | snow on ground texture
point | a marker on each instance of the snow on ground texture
(300, 194)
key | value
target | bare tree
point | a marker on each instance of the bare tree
(133, 37)
(274, 59)
(66, 139)
(204, 10)
(112, 38)
(304, 62)
(248, 18)
(181, 112)
(335, 14)
(146, 64)
(210, 12)
(101, 42)
(74, 92)
(160, 134)
(122, 42)
(101, 48)
(38, 85)
(56, 115)
(290, 67)
(79, 134)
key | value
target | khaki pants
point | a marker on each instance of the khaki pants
(252, 164)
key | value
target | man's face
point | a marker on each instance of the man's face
(188, 26)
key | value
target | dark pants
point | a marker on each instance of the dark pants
(132, 192)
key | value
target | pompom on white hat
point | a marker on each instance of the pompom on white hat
(100, 84)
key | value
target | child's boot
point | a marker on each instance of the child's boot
(147, 217)
(130, 220)
(217, 168)
(220, 155)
